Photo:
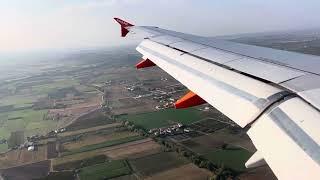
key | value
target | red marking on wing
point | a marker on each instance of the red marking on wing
(145, 63)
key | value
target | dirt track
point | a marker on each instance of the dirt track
(70, 133)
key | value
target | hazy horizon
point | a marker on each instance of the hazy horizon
(40, 25)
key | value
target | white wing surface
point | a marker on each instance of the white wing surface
(275, 94)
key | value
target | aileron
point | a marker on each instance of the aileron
(270, 72)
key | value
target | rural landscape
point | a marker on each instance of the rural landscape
(91, 115)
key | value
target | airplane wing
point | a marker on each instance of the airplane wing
(274, 94)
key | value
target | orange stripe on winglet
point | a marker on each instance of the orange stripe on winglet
(145, 63)
(189, 100)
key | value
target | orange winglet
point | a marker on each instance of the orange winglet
(189, 100)
(145, 63)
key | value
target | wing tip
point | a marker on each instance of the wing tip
(122, 22)
(124, 26)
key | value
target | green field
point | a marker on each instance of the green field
(71, 165)
(156, 163)
(164, 118)
(106, 170)
(62, 175)
(103, 78)
(3, 147)
(28, 115)
(21, 117)
(47, 88)
(103, 145)
(84, 88)
(4, 133)
(18, 101)
(233, 158)
(28, 120)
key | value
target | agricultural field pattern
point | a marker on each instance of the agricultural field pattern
(89, 114)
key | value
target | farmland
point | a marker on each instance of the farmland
(105, 170)
(146, 166)
(91, 139)
(64, 175)
(29, 171)
(233, 158)
(93, 129)
(127, 150)
(188, 171)
(71, 165)
(74, 114)
(102, 145)
(26, 109)
(163, 118)
(18, 101)
(96, 117)
(28, 120)
(21, 157)
(67, 114)
(57, 84)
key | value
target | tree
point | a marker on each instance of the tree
(224, 174)
(184, 153)
(195, 159)
(203, 164)
(162, 142)
(224, 146)
(210, 166)
(213, 177)
(127, 123)
(178, 150)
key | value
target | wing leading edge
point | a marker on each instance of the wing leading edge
(268, 91)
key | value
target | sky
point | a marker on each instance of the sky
(70, 24)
